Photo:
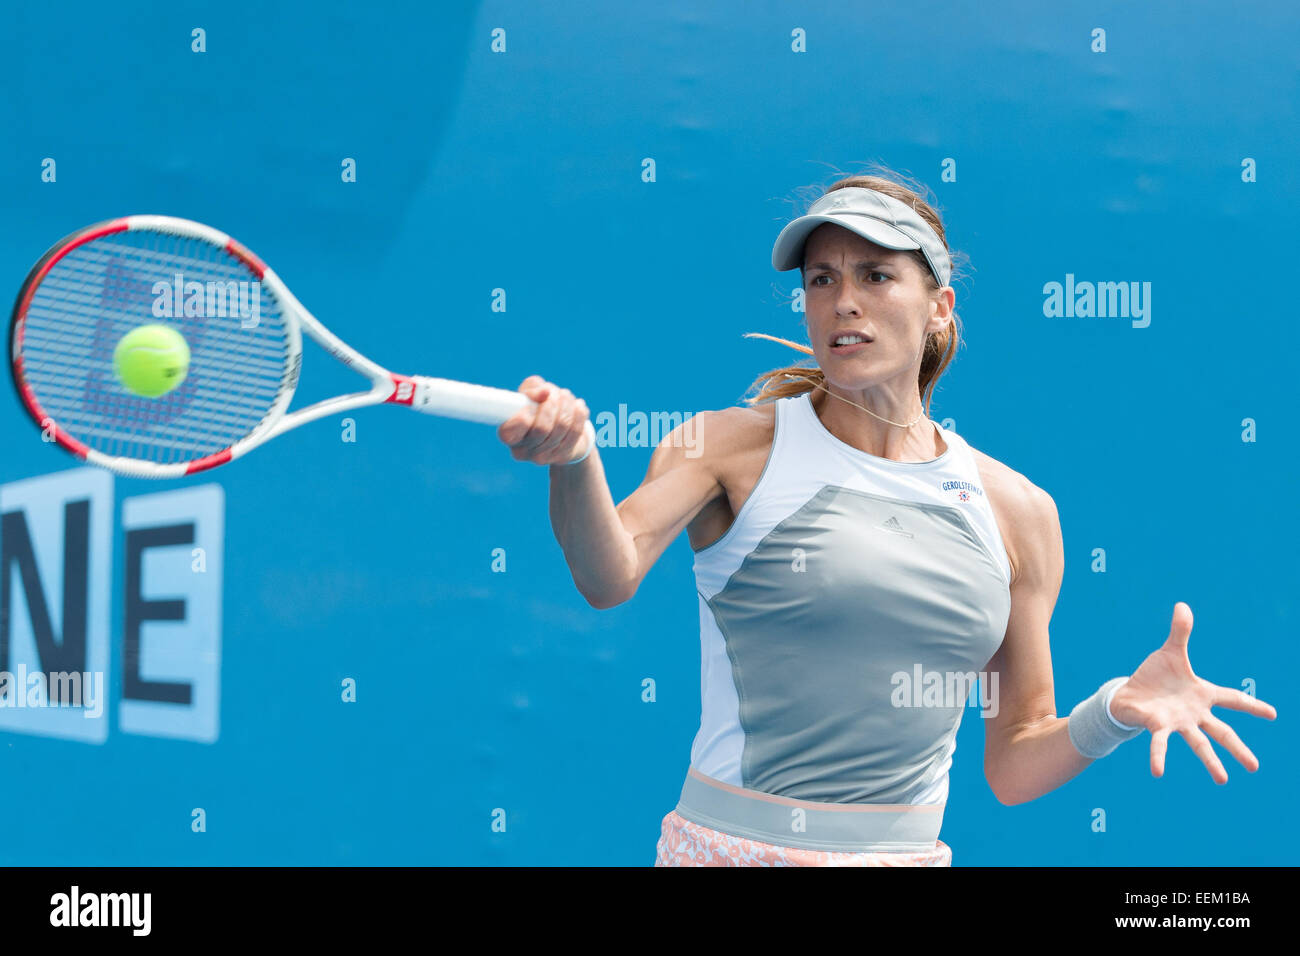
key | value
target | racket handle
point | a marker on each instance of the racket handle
(475, 403)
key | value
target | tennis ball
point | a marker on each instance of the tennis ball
(152, 360)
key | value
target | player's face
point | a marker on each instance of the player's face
(854, 285)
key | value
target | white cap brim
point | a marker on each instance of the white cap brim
(787, 253)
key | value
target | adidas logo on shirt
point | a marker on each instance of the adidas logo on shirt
(893, 525)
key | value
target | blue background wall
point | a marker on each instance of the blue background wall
(522, 170)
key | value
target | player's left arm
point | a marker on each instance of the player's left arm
(1027, 748)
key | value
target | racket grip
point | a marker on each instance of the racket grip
(475, 403)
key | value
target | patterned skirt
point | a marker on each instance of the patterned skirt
(683, 843)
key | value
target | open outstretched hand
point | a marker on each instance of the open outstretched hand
(1165, 697)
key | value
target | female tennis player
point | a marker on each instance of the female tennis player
(856, 566)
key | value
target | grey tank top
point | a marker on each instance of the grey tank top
(842, 617)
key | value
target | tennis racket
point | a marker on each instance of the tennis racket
(244, 331)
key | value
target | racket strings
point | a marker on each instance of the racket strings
(100, 291)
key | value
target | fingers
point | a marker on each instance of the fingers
(1180, 627)
(524, 429)
(1239, 700)
(1159, 745)
(1202, 747)
(565, 425)
(552, 431)
(1228, 739)
(574, 441)
(543, 422)
(514, 428)
(1216, 728)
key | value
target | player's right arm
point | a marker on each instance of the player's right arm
(610, 548)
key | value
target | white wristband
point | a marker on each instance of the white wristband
(1093, 729)
(1116, 685)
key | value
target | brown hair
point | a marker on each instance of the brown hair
(940, 347)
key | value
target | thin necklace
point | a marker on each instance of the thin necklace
(803, 378)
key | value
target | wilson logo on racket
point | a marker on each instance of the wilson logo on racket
(404, 393)
(102, 282)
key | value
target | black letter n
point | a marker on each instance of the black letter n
(68, 654)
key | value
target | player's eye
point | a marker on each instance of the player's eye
(813, 280)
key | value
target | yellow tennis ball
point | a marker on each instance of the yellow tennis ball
(152, 360)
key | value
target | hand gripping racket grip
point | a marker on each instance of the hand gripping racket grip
(475, 403)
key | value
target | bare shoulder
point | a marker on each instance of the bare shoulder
(734, 444)
(714, 438)
(739, 430)
(1025, 513)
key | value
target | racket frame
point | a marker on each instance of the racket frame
(435, 396)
